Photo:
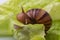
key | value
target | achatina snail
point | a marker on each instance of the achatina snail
(35, 16)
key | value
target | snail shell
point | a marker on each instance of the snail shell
(35, 16)
(39, 16)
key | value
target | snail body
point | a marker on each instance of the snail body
(36, 16)
(23, 18)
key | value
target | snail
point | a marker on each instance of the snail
(35, 16)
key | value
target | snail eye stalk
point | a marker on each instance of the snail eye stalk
(22, 9)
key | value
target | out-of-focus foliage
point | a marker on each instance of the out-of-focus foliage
(30, 32)
(54, 10)
(5, 26)
(54, 32)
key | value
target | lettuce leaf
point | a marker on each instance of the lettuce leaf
(30, 32)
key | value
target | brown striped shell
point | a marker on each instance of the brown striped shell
(35, 16)
(39, 16)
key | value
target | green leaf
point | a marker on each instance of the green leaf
(5, 26)
(54, 32)
(30, 32)
(54, 10)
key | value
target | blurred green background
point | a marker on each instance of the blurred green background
(10, 8)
